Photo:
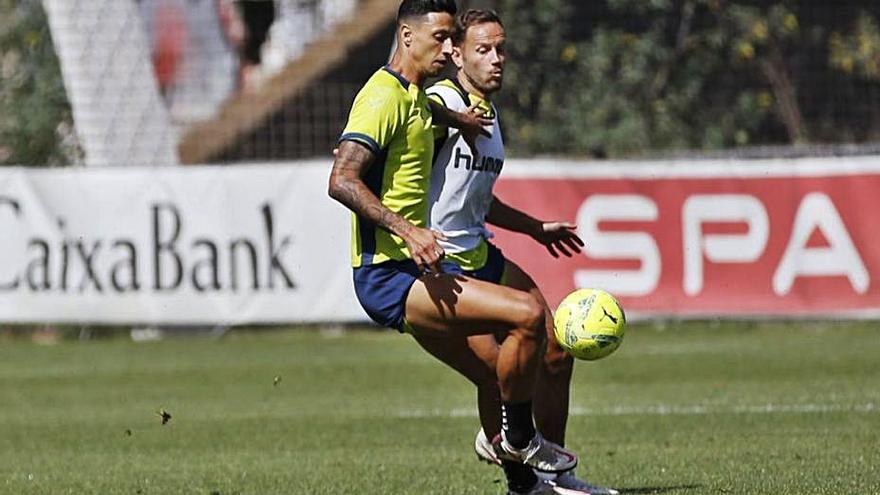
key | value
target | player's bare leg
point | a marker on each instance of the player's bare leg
(458, 355)
(555, 370)
(552, 392)
(485, 348)
(552, 387)
(454, 307)
(475, 358)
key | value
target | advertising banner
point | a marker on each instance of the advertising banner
(182, 245)
(707, 238)
(253, 244)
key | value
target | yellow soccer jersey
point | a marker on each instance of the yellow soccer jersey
(391, 117)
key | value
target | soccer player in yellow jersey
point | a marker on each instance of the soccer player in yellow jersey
(381, 173)
(462, 202)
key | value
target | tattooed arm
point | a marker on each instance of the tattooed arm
(348, 187)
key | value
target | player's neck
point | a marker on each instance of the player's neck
(466, 84)
(405, 70)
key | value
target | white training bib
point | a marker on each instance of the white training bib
(461, 184)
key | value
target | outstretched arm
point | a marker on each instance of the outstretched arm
(555, 236)
(347, 186)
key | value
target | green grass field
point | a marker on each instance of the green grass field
(695, 408)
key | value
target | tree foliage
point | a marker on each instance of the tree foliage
(35, 121)
(600, 77)
(624, 77)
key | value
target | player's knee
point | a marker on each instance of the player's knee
(533, 318)
(557, 362)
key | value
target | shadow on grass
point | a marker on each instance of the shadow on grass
(657, 489)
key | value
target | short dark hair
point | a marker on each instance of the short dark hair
(417, 8)
(471, 18)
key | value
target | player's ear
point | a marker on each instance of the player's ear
(406, 35)
(456, 56)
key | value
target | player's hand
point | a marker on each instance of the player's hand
(559, 236)
(472, 125)
(424, 249)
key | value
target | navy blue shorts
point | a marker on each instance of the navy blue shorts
(382, 288)
(492, 271)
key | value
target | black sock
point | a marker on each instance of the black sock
(520, 478)
(516, 422)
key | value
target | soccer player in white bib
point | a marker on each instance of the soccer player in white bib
(461, 202)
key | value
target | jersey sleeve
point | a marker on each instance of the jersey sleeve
(377, 113)
(448, 98)
(440, 131)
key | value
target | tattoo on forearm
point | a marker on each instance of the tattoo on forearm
(347, 187)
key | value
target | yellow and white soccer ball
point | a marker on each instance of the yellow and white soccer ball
(590, 324)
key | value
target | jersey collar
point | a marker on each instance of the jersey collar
(398, 76)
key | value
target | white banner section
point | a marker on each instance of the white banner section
(184, 245)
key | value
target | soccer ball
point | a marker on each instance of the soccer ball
(589, 324)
